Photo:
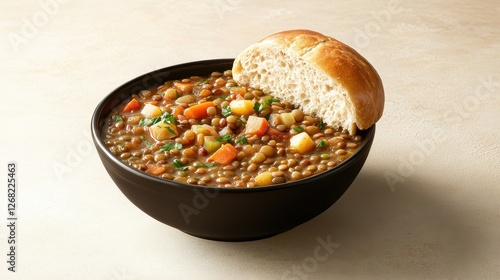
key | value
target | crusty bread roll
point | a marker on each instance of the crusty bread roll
(317, 73)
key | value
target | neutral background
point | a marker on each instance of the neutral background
(425, 206)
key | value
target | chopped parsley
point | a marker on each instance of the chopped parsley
(226, 138)
(271, 100)
(117, 118)
(243, 140)
(256, 106)
(202, 82)
(165, 117)
(259, 107)
(168, 118)
(298, 128)
(321, 144)
(171, 146)
(171, 130)
(149, 121)
(178, 164)
(226, 111)
(143, 138)
(207, 165)
(321, 124)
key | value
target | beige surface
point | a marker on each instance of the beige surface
(425, 206)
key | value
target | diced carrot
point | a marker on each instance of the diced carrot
(205, 93)
(198, 111)
(274, 133)
(178, 111)
(225, 154)
(256, 125)
(184, 87)
(154, 169)
(132, 105)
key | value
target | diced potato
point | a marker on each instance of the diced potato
(239, 90)
(302, 143)
(162, 131)
(275, 119)
(134, 119)
(225, 131)
(151, 111)
(204, 129)
(241, 107)
(287, 118)
(211, 144)
(264, 178)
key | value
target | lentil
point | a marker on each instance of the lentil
(184, 152)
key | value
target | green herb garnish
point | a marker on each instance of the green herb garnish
(168, 118)
(202, 82)
(321, 144)
(178, 164)
(171, 146)
(226, 111)
(321, 124)
(225, 138)
(271, 100)
(243, 140)
(171, 130)
(117, 118)
(256, 106)
(143, 138)
(149, 121)
(298, 128)
(165, 117)
(208, 165)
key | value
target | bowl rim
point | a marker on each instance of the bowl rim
(99, 143)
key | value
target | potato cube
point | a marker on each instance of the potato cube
(162, 131)
(151, 111)
(287, 118)
(241, 107)
(302, 143)
(264, 178)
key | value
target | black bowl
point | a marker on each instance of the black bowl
(227, 214)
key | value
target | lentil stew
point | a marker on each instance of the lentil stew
(210, 131)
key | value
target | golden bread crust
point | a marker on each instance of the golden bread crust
(343, 64)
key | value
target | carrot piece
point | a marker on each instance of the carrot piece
(132, 105)
(198, 111)
(184, 87)
(205, 93)
(154, 169)
(178, 111)
(274, 133)
(256, 125)
(225, 154)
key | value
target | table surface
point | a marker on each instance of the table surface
(426, 205)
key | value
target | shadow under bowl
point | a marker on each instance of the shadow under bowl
(225, 214)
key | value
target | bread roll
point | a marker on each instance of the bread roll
(317, 73)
